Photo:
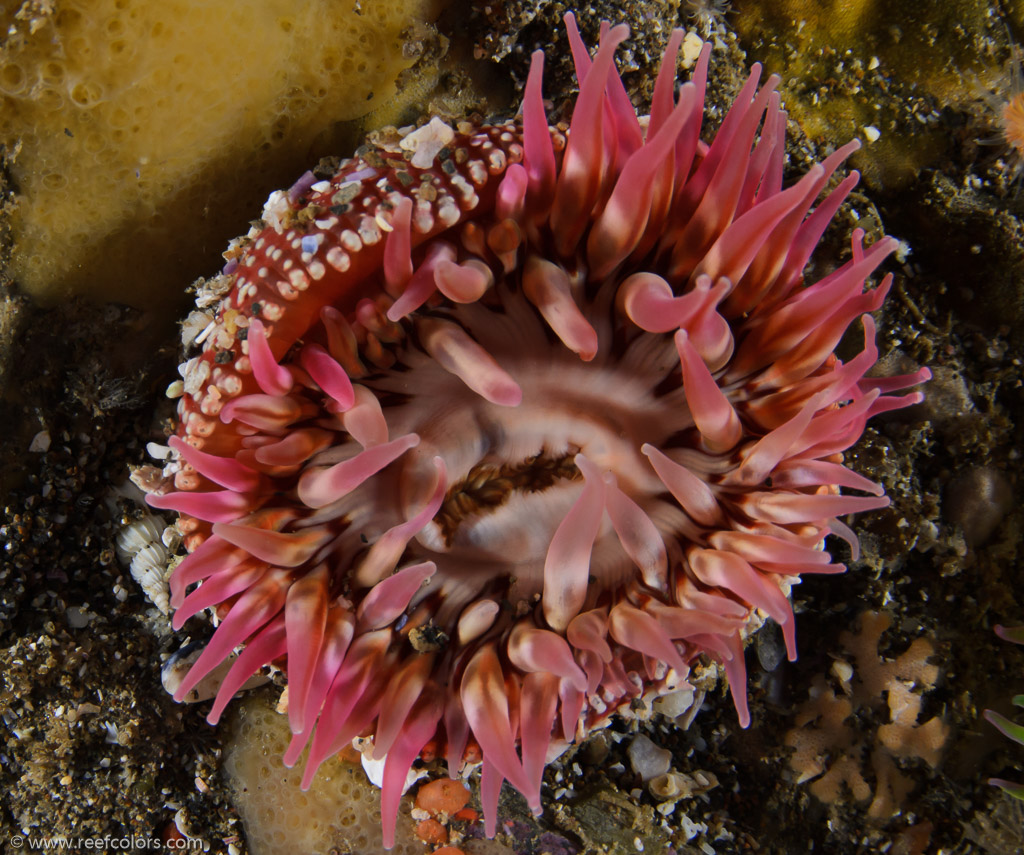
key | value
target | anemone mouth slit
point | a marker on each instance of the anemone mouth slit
(488, 486)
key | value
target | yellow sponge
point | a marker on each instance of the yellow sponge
(339, 813)
(150, 131)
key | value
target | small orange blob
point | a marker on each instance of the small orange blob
(350, 755)
(431, 831)
(171, 833)
(443, 795)
(429, 751)
(466, 814)
(472, 754)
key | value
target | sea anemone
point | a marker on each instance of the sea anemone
(1009, 728)
(498, 429)
(708, 16)
(1006, 105)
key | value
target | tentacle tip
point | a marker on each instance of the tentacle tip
(508, 396)
(619, 33)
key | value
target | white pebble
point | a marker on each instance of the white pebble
(647, 759)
